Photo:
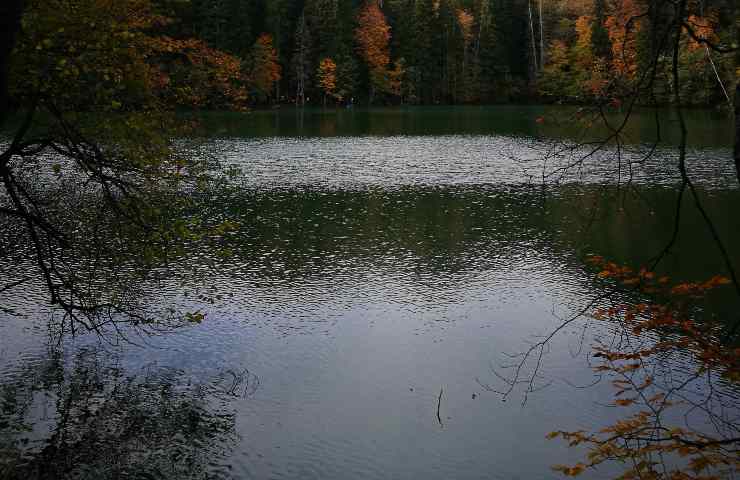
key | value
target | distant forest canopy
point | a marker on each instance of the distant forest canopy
(454, 51)
(222, 53)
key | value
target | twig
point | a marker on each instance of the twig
(439, 403)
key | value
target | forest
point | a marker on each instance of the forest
(457, 51)
(187, 294)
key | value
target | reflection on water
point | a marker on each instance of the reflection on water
(365, 275)
(86, 417)
(706, 128)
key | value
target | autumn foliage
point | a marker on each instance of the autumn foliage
(266, 71)
(466, 21)
(327, 78)
(373, 35)
(605, 52)
(96, 84)
(105, 54)
(646, 441)
(623, 26)
(212, 54)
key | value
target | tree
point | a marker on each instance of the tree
(96, 85)
(322, 18)
(427, 51)
(402, 19)
(459, 50)
(542, 33)
(512, 44)
(227, 25)
(590, 68)
(737, 129)
(327, 78)
(266, 70)
(373, 38)
(623, 26)
(646, 439)
(584, 52)
(301, 59)
(466, 24)
(664, 320)
(600, 42)
(396, 75)
(346, 75)
(556, 75)
(489, 66)
(10, 15)
(532, 39)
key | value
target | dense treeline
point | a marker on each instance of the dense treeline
(453, 51)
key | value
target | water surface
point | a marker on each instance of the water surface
(383, 257)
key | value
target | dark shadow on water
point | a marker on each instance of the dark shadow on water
(708, 128)
(85, 417)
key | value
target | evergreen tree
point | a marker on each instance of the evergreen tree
(301, 63)
(427, 58)
(488, 65)
(347, 73)
(600, 42)
(459, 51)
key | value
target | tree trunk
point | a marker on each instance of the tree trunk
(10, 21)
(277, 49)
(534, 41)
(542, 37)
(737, 131)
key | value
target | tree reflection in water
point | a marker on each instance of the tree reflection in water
(91, 419)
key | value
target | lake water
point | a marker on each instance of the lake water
(383, 257)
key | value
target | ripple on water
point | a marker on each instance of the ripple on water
(367, 274)
(388, 162)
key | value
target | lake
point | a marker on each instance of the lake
(386, 266)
